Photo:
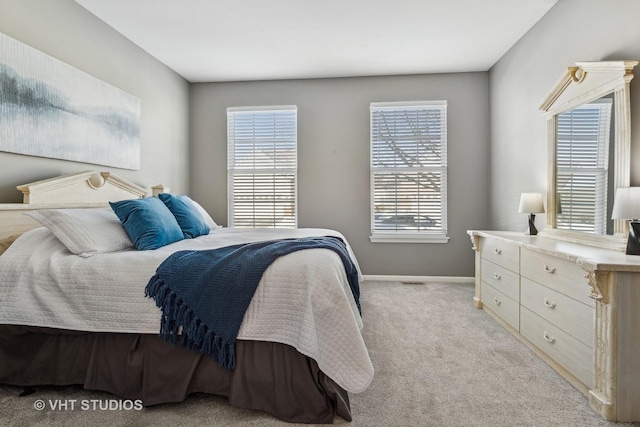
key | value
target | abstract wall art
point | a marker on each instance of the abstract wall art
(51, 109)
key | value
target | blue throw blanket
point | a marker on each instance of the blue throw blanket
(207, 292)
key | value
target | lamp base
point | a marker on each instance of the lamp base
(633, 245)
(532, 230)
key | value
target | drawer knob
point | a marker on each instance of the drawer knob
(548, 338)
(549, 270)
(497, 301)
(496, 276)
(549, 304)
(497, 251)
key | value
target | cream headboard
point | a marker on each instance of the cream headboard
(80, 190)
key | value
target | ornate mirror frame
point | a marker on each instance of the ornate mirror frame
(586, 82)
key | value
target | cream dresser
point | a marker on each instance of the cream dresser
(577, 306)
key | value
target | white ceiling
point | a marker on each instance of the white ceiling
(230, 40)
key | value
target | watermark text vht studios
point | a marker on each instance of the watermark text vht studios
(88, 405)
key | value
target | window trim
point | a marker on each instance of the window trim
(290, 171)
(437, 237)
(380, 237)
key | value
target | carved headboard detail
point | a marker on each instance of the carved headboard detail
(83, 187)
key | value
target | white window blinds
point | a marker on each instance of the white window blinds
(262, 167)
(582, 173)
(409, 171)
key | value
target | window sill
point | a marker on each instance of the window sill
(408, 238)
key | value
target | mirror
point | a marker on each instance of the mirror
(588, 126)
(584, 164)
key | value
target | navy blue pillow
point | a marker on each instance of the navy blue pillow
(148, 222)
(190, 220)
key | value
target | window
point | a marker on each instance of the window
(409, 172)
(262, 167)
(584, 135)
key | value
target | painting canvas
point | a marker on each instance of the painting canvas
(50, 109)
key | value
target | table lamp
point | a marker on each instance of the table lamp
(532, 204)
(626, 205)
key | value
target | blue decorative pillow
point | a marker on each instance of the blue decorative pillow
(148, 222)
(190, 220)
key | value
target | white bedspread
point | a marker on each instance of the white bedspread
(303, 299)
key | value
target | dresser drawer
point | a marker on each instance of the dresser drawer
(568, 352)
(501, 253)
(558, 274)
(573, 317)
(506, 308)
(506, 281)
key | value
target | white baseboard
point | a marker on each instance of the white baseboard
(448, 279)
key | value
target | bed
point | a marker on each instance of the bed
(83, 318)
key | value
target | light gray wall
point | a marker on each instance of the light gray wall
(572, 31)
(68, 32)
(333, 158)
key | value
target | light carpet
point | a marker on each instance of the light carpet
(439, 362)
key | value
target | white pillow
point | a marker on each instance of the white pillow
(207, 218)
(7, 241)
(85, 232)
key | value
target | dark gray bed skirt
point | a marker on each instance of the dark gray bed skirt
(271, 377)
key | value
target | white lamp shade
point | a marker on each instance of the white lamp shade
(531, 203)
(627, 203)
